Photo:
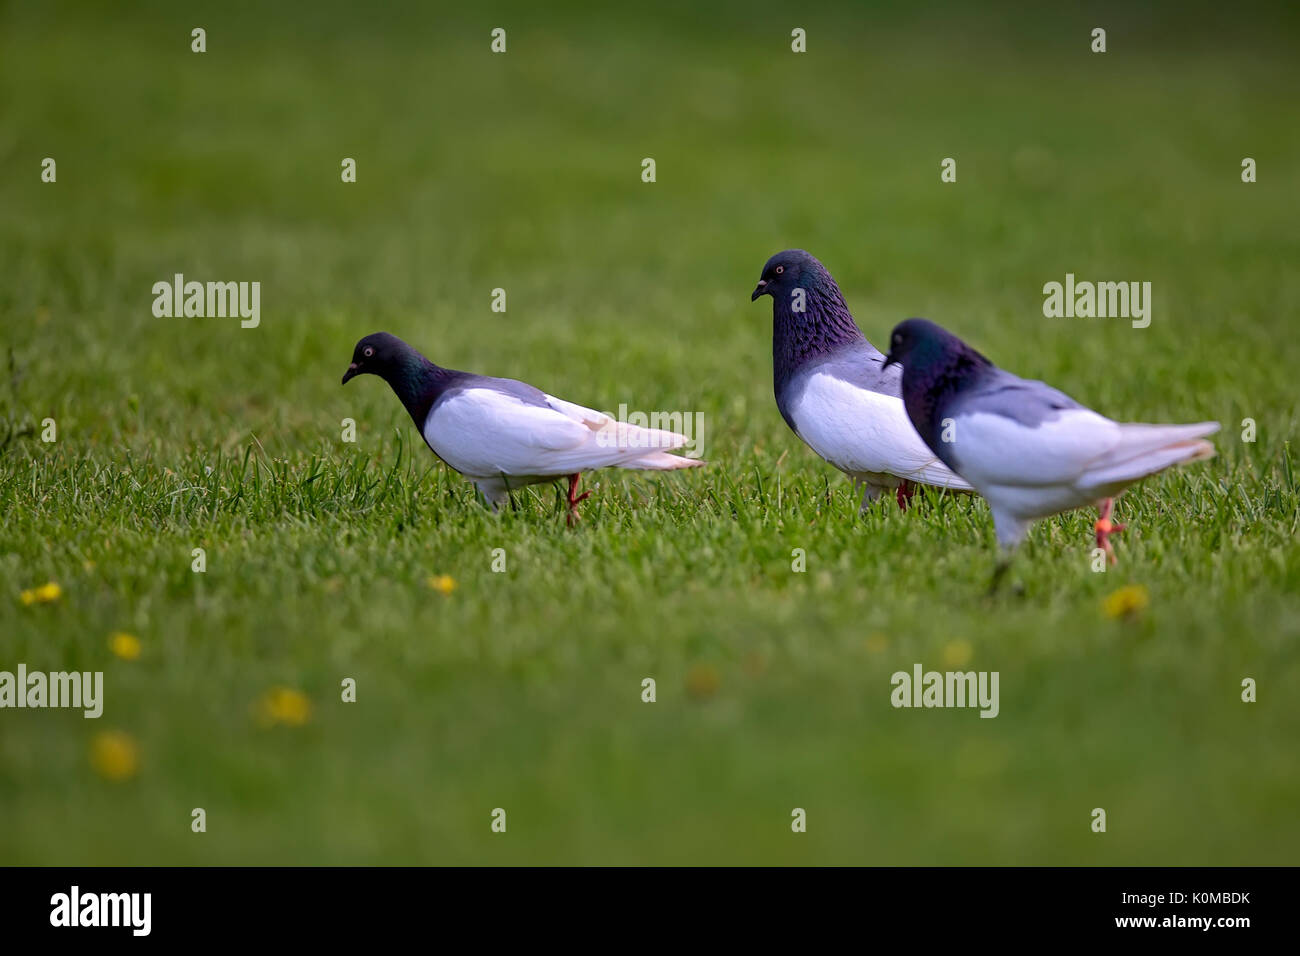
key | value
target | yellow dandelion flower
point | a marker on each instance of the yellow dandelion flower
(125, 646)
(958, 654)
(114, 755)
(1128, 601)
(442, 583)
(45, 594)
(877, 642)
(702, 681)
(283, 705)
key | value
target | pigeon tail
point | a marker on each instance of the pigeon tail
(1144, 450)
(662, 461)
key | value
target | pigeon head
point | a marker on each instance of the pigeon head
(936, 367)
(381, 354)
(921, 345)
(413, 378)
(810, 319)
(790, 270)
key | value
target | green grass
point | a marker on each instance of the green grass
(522, 689)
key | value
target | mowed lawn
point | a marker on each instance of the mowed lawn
(522, 689)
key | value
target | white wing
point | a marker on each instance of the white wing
(1077, 449)
(579, 413)
(992, 449)
(864, 432)
(482, 432)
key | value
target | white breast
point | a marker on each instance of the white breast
(864, 432)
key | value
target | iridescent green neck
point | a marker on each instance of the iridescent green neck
(418, 383)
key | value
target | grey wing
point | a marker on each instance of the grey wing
(1026, 401)
(528, 394)
(862, 364)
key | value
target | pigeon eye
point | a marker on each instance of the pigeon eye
(367, 351)
(780, 269)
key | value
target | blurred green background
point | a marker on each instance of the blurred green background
(522, 690)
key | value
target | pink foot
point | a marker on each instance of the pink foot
(1105, 528)
(574, 499)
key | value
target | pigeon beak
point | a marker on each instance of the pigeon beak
(761, 289)
(889, 360)
(350, 373)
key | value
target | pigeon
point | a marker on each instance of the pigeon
(502, 434)
(1030, 450)
(833, 389)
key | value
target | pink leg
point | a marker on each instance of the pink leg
(1105, 528)
(904, 494)
(574, 499)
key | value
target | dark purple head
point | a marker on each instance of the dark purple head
(790, 270)
(414, 379)
(937, 367)
(810, 319)
(380, 354)
(924, 347)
